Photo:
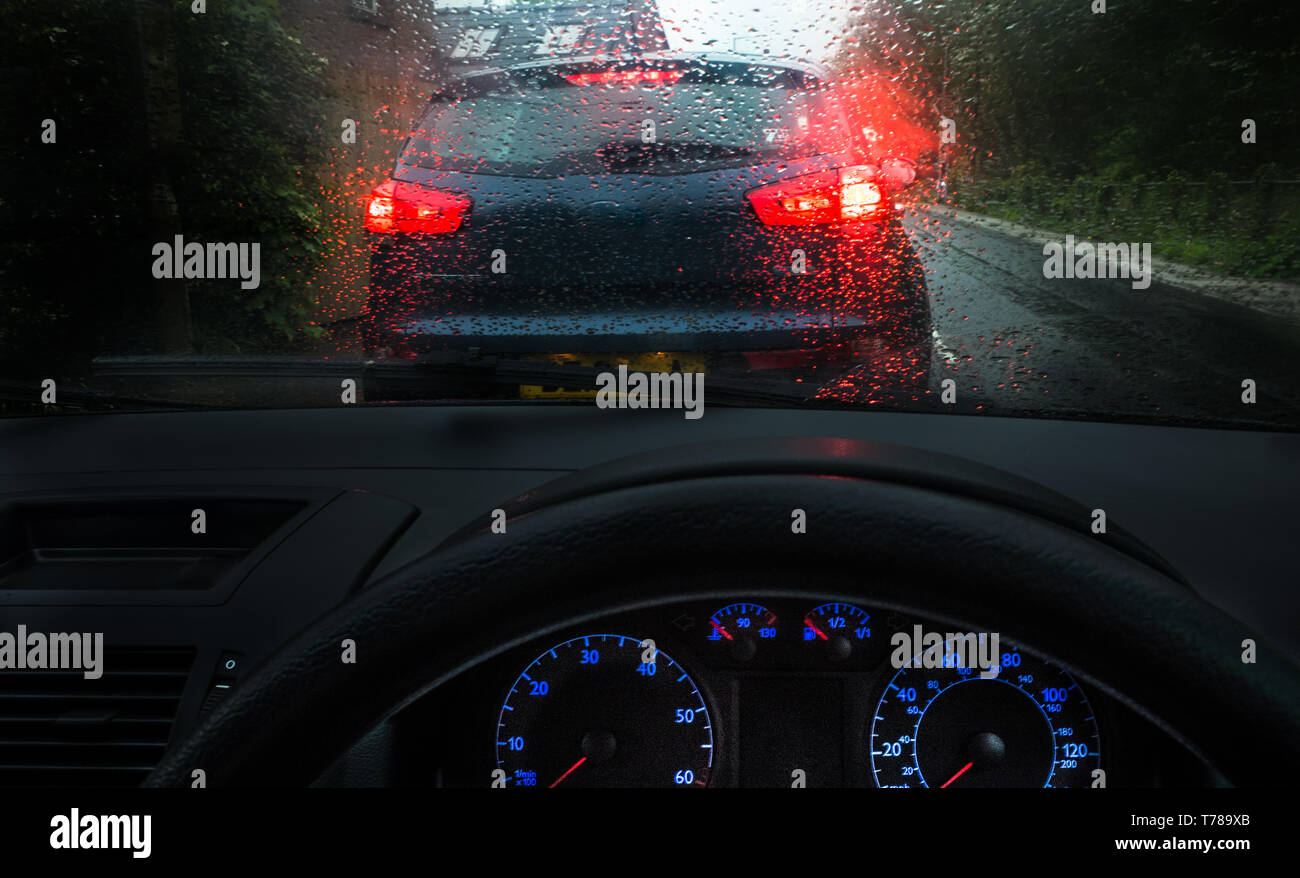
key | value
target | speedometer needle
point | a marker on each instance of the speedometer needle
(575, 768)
(950, 780)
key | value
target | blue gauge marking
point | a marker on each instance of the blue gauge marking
(1031, 725)
(837, 620)
(604, 710)
(742, 620)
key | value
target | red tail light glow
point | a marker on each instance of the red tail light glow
(617, 77)
(843, 195)
(407, 209)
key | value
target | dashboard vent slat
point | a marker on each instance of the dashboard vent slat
(59, 729)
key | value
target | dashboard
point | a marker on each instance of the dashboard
(781, 683)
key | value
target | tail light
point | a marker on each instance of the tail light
(620, 77)
(843, 195)
(407, 209)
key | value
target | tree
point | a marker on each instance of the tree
(232, 120)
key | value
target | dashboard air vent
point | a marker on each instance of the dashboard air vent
(58, 729)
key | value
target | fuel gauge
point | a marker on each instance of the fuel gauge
(839, 628)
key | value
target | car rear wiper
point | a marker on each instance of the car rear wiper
(619, 157)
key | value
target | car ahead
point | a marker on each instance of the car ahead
(686, 211)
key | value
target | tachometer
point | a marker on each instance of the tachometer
(605, 710)
(1030, 726)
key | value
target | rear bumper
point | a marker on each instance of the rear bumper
(855, 285)
(677, 330)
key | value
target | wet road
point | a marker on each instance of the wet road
(1020, 341)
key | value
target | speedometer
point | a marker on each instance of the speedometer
(1029, 726)
(604, 710)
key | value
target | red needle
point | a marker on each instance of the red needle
(815, 629)
(718, 628)
(567, 773)
(950, 780)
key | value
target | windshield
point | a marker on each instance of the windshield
(965, 209)
(590, 119)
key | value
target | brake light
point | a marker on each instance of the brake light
(843, 195)
(408, 209)
(614, 77)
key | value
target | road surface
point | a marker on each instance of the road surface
(1020, 341)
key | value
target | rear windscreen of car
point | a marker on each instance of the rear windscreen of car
(560, 122)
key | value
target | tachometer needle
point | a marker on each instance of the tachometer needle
(950, 780)
(718, 628)
(569, 772)
(815, 629)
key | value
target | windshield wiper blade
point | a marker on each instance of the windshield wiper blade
(450, 376)
(470, 366)
(207, 366)
(27, 395)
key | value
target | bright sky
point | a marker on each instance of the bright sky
(806, 29)
(802, 29)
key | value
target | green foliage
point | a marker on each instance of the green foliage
(74, 235)
(254, 103)
(1227, 227)
(1130, 121)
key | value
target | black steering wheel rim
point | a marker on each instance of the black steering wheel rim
(881, 530)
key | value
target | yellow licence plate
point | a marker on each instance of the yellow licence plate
(659, 361)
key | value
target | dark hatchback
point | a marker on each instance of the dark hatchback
(718, 209)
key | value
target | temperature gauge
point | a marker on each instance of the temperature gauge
(743, 627)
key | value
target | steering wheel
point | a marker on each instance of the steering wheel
(889, 526)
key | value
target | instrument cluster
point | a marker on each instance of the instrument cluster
(781, 693)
